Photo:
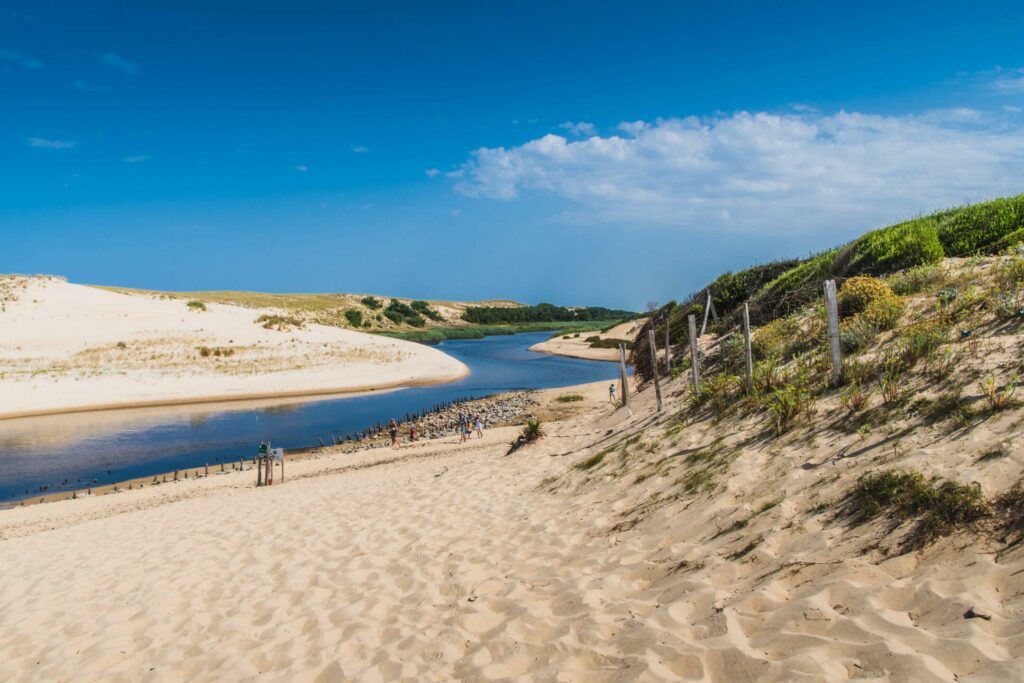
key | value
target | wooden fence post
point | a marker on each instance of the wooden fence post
(668, 352)
(623, 376)
(654, 365)
(694, 357)
(748, 353)
(282, 465)
(259, 472)
(832, 310)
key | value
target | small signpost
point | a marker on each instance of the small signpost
(265, 464)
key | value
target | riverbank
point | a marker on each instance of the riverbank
(580, 345)
(70, 348)
(617, 547)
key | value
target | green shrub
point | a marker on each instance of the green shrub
(610, 344)
(916, 279)
(423, 308)
(787, 405)
(858, 292)
(355, 318)
(856, 334)
(793, 289)
(884, 313)
(197, 306)
(921, 340)
(569, 398)
(371, 302)
(896, 247)
(278, 322)
(981, 228)
(941, 506)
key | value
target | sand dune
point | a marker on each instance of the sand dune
(444, 561)
(577, 346)
(66, 347)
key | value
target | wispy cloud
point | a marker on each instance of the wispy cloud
(1004, 81)
(136, 159)
(781, 173)
(301, 168)
(359, 149)
(578, 128)
(45, 143)
(433, 172)
(116, 61)
(19, 59)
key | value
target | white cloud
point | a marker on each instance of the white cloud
(781, 173)
(136, 159)
(1010, 109)
(51, 144)
(359, 149)
(19, 59)
(456, 213)
(301, 168)
(432, 172)
(118, 62)
(1008, 82)
(579, 128)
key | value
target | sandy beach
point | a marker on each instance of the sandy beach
(577, 346)
(66, 347)
(586, 556)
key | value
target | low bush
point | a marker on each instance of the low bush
(941, 506)
(999, 398)
(423, 308)
(918, 279)
(859, 292)
(355, 318)
(787, 405)
(531, 432)
(569, 398)
(197, 306)
(371, 302)
(921, 340)
(278, 322)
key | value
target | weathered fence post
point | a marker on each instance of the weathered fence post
(748, 353)
(654, 365)
(832, 310)
(259, 472)
(623, 376)
(668, 352)
(694, 357)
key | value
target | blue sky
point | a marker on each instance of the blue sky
(576, 152)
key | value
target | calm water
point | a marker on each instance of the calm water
(103, 447)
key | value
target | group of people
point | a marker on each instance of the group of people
(467, 426)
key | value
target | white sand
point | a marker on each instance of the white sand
(453, 562)
(67, 347)
(578, 347)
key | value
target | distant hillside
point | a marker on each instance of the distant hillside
(415, 319)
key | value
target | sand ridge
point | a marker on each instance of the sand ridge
(67, 347)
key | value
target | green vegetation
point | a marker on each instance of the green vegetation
(216, 351)
(591, 462)
(531, 432)
(939, 506)
(279, 322)
(569, 398)
(440, 333)
(371, 302)
(987, 227)
(354, 317)
(541, 313)
(197, 306)
(423, 308)
(610, 343)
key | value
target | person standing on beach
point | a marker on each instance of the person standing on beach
(393, 428)
(479, 427)
(611, 394)
(463, 426)
(412, 433)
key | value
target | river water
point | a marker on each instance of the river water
(81, 449)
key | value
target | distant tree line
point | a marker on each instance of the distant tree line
(541, 313)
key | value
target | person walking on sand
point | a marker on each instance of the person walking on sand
(412, 433)
(611, 394)
(393, 428)
(463, 426)
(479, 427)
